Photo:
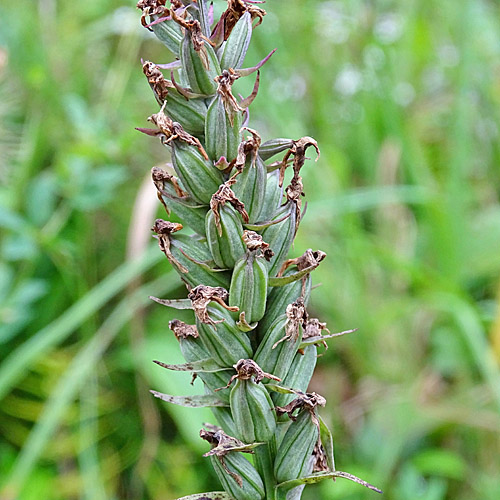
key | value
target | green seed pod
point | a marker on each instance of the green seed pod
(224, 341)
(222, 132)
(236, 46)
(176, 200)
(299, 375)
(250, 188)
(275, 355)
(295, 450)
(248, 288)
(193, 254)
(252, 487)
(192, 349)
(278, 299)
(190, 114)
(226, 248)
(280, 235)
(273, 147)
(200, 67)
(198, 175)
(191, 345)
(252, 410)
(273, 195)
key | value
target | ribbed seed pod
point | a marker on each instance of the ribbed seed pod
(190, 114)
(198, 175)
(273, 195)
(222, 132)
(224, 341)
(235, 48)
(228, 247)
(252, 487)
(192, 349)
(191, 345)
(248, 289)
(277, 360)
(176, 200)
(299, 375)
(200, 70)
(280, 235)
(192, 253)
(278, 299)
(252, 410)
(296, 448)
(250, 188)
(273, 147)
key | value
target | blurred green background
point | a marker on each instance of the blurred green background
(403, 98)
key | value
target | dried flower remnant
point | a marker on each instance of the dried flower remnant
(202, 295)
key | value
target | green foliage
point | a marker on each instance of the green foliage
(401, 97)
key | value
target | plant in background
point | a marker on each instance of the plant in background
(252, 343)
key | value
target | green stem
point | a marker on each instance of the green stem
(264, 464)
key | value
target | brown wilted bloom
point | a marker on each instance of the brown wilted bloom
(247, 368)
(229, 18)
(169, 131)
(313, 328)
(320, 461)
(254, 243)
(159, 85)
(303, 402)
(298, 150)
(224, 89)
(226, 195)
(310, 259)
(202, 295)
(152, 8)
(198, 39)
(160, 177)
(183, 330)
(247, 147)
(296, 316)
(222, 445)
(164, 229)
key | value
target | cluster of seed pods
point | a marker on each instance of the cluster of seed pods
(252, 343)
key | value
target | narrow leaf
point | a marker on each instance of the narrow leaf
(321, 338)
(280, 389)
(207, 365)
(175, 303)
(201, 401)
(249, 71)
(316, 478)
(257, 226)
(212, 495)
(285, 280)
(327, 442)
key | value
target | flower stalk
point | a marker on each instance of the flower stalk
(251, 342)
